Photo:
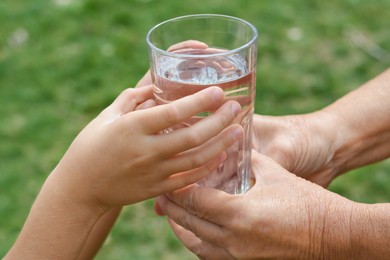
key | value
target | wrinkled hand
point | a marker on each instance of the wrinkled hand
(122, 150)
(282, 216)
(303, 144)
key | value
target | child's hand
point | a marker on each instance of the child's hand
(120, 158)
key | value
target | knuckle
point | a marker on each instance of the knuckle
(233, 247)
(186, 222)
(193, 139)
(200, 252)
(236, 253)
(232, 109)
(173, 114)
(197, 160)
(127, 92)
(222, 121)
(226, 119)
(209, 168)
(193, 205)
(197, 249)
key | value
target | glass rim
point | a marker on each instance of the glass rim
(181, 55)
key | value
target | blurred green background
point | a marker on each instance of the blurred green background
(62, 61)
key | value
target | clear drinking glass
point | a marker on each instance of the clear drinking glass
(190, 53)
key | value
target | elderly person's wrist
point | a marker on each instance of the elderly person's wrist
(328, 229)
(336, 232)
(370, 231)
(361, 120)
(354, 145)
(344, 229)
(332, 130)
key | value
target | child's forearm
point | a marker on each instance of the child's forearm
(98, 234)
(362, 124)
(56, 228)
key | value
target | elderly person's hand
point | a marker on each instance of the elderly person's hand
(283, 217)
(353, 131)
(303, 144)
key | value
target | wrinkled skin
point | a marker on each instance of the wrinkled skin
(281, 215)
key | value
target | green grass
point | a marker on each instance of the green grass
(61, 62)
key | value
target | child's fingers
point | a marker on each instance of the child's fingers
(199, 156)
(180, 180)
(128, 100)
(161, 117)
(187, 138)
(145, 105)
(190, 44)
(146, 80)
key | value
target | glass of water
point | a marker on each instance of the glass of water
(191, 53)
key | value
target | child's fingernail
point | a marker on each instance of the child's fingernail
(217, 93)
(222, 157)
(236, 108)
(238, 132)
